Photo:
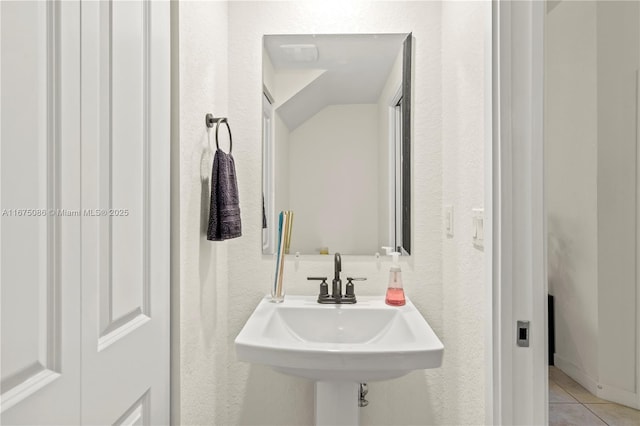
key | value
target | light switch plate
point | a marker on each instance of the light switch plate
(448, 220)
(477, 228)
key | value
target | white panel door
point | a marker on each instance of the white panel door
(40, 250)
(125, 245)
(84, 195)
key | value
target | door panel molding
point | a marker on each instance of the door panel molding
(26, 383)
(117, 323)
(138, 413)
(45, 368)
(125, 165)
(44, 388)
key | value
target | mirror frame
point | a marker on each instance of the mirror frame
(406, 145)
(405, 246)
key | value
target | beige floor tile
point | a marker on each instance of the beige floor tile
(555, 373)
(573, 388)
(572, 415)
(557, 394)
(616, 415)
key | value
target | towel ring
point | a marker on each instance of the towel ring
(210, 120)
(224, 120)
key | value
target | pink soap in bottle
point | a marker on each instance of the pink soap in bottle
(395, 292)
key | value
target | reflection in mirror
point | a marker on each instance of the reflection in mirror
(336, 141)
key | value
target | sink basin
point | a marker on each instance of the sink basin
(367, 341)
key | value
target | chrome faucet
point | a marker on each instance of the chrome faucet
(336, 297)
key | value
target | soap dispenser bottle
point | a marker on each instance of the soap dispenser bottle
(395, 292)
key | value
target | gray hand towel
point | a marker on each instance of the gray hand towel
(224, 211)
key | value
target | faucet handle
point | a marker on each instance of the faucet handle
(324, 288)
(349, 291)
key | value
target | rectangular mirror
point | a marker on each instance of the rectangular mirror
(337, 142)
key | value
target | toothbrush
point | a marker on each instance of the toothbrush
(275, 284)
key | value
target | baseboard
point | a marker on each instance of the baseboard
(602, 391)
(577, 374)
(620, 396)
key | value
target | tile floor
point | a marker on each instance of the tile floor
(570, 404)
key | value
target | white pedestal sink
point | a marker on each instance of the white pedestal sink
(339, 346)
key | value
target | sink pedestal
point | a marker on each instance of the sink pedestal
(337, 404)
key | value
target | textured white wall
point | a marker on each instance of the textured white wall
(463, 77)
(571, 137)
(221, 283)
(203, 301)
(333, 170)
